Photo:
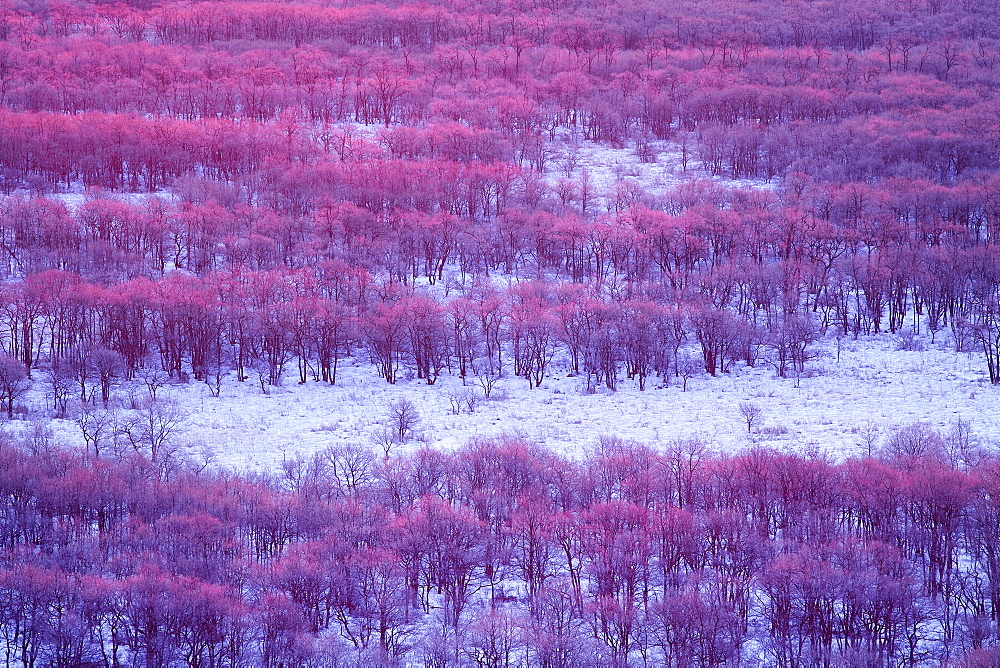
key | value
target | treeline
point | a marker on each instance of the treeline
(505, 554)
(741, 276)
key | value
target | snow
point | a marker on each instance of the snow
(827, 412)
(78, 195)
(607, 166)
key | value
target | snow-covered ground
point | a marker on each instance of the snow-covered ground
(832, 411)
(75, 197)
(571, 157)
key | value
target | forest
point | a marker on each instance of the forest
(506, 554)
(261, 193)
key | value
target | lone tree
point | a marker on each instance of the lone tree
(403, 418)
(751, 413)
(13, 382)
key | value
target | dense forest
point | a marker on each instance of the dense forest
(262, 191)
(505, 554)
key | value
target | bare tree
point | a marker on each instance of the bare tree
(686, 142)
(488, 381)
(687, 367)
(791, 339)
(97, 426)
(62, 380)
(751, 413)
(150, 429)
(463, 398)
(402, 419)
(386, 439)
(471, 400)
(346, 469)
(153, 377)
(213, 379)
(870, 434)
(454, 401)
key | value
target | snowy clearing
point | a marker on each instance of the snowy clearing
(607, 166)
(831, 411)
